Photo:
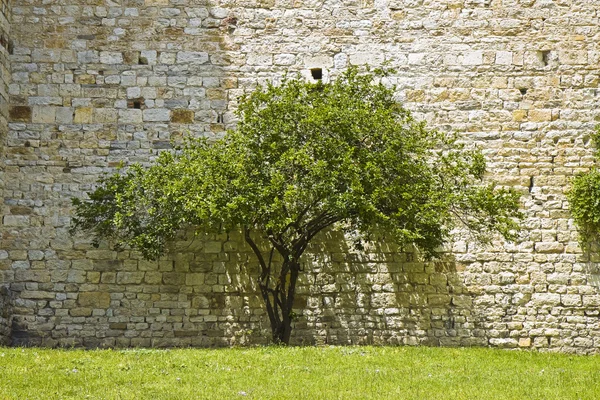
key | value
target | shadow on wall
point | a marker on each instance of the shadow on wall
(382, 295)
(205, 294)
(5, 316)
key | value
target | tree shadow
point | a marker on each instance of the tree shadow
(382, 295)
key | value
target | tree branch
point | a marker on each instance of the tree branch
(255, 248)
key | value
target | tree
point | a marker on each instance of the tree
(304, 157)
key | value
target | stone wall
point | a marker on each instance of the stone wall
(97, 83)
(5, 47)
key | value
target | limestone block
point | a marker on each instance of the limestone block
(83, 115)
(16, 220)
(45, 101)
(174, 278)
(366, 58)
(320, 61)
(438, 280)
(340, 60)
(118, 325)
(130, 116)
(519, 115)
(284, 59)
(20, 113)
(180, 116)
(80, 312)
(192, 279)
(64, 115)
(20, 265)
(170, 12)
(549, 247)
(212, 247)
(88, 57)
(94, 299)
(462, 301)
(260, 59)
(85, 79)
(504, 342)
(381, 300)
(126, 278)
(153, 278)
(45, 55)
(37, 294)
(35, 255)
(504, 57)
(571, 300)
(193, 57)
(105, 116)
(572, 57)
(93, 277)
(148, 57)
(591, 300)
(472, 58)
(134, 92)
(414, 58)
(156, 115)
(149, 93)
(540, 115)
(438, 299)
(111, 57)
(545, 299)
(43, 115)
(75, 276)
(48, 90)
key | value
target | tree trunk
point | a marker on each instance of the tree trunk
(279, 293)
(282, 302)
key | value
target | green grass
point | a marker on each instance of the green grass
(296, 373)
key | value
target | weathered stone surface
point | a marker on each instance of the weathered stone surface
(195, 57)
(94, 299)
(182, 116)
(20, 114)
(109, 88)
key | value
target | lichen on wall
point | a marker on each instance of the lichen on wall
(94, 84)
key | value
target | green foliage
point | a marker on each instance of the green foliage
(306, 156)
(584, 198)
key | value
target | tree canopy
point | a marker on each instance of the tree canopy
(303, 157)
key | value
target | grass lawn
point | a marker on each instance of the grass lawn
(296, 373)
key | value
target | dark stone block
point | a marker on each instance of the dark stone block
(182, 116)
(20, 114)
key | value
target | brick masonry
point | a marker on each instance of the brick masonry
(94, 83)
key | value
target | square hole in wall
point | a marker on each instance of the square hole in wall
(135, 103)
(316, 73)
